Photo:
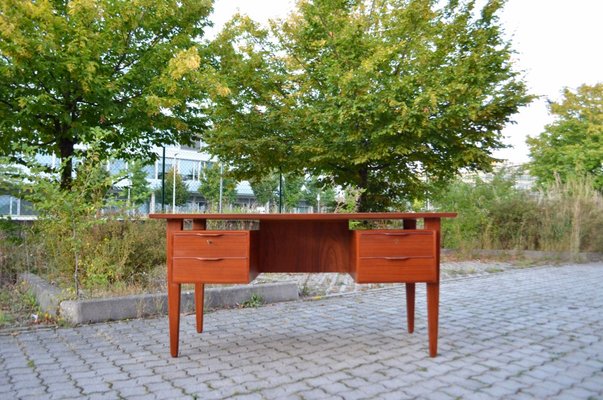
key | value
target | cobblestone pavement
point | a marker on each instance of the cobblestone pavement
(524, 334)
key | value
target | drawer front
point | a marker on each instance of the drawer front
(396, 269)
(396, 243)
(211, 244)
(210, 270)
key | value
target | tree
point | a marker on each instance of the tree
(64, 215)
(573, 144)
(292, 190)
(391, 97)
(265, 189)
(181, 189)
(140, 191)
(210, 186)
(315, 187)
(130, 68)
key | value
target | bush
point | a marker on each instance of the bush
(12, 246)
(81, 245)
(121, 252)
(497, 215)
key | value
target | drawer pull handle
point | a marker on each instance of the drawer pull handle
(208, 234)
(396, 258)
(396, 234)
(208, 258)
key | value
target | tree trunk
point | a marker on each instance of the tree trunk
(363, 203)
(66, 147)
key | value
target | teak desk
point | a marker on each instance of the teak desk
(304, 243)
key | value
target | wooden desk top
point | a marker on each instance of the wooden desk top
(307, 217)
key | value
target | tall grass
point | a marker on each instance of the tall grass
(119, 252)
(564, 217)
(572, 216)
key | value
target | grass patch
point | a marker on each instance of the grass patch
(18, 308)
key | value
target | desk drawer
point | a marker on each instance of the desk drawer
(211, 244)
(211, 269)
(396, 269)
(396, 243)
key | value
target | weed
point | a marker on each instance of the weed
(254, 301)
(5, 319)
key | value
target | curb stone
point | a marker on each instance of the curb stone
(47, 295)
(137, 306)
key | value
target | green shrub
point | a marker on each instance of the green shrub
(122, 252)
(80, 245)
(497, 215)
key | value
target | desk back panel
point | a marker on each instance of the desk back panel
(304, 246)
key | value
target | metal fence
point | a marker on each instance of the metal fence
(189, 164)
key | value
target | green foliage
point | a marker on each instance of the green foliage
(64, 215)
(296, 189)
(292, 190)
(73, 240)
(572, 146)
(490, 214)
(12, 249)
(255, 300)
(18, 305)
(121, 251)
(265, 189)
(140, 190)
(571, 216)
(315, 187)
(9, 177)
(378, 97)
(133, 68)
(497, 215)
(348, 203)
(210, 186)
(181, 189)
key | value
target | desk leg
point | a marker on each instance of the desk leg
(410, 306)
(199, 294)
(433, 295)
(174, 316)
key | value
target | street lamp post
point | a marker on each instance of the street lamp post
(175, 169)
(221, 188)
(163, 182)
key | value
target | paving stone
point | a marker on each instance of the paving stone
(358, 395)
(32, 392)
(109, 395)
(530, 333)
(248, 396)
(97, 387)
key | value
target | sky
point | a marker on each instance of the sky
(558, 44)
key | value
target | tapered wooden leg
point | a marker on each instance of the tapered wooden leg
(199, 294)
(433, 298)
(410, 306)
(174, 316)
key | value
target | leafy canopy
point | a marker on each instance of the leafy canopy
(133, 68)
(573, 144)
(390, 97)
